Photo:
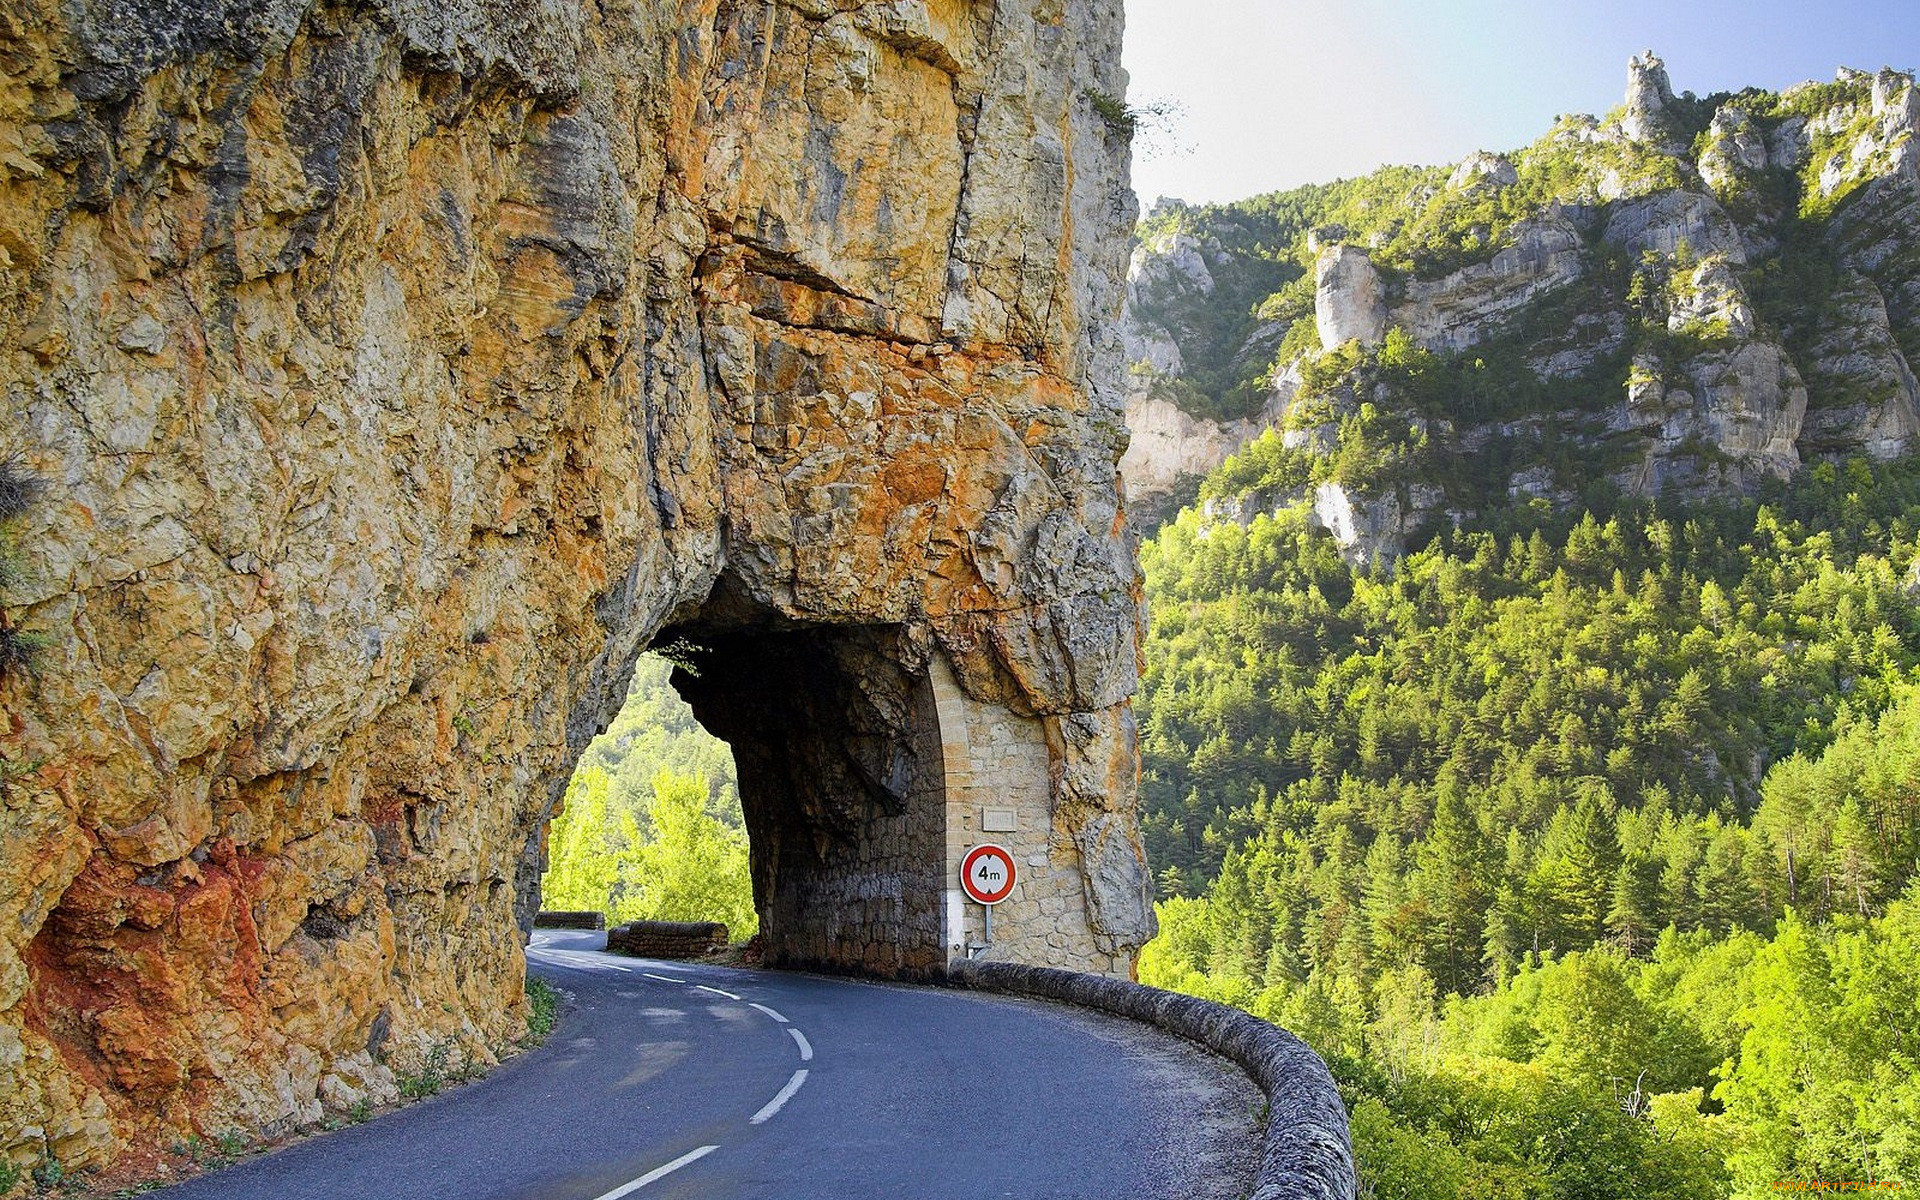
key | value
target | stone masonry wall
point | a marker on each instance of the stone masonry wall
(997, 776)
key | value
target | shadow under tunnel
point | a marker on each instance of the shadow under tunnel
(837, 744)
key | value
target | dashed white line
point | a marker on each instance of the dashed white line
(662, 978)
(659, 1172)
(621, 969)
(774, 1105)
(806, 1050)
(763, 1008)
(716, 991)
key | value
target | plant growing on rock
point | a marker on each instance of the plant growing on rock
(543, 1009)
(19, 488)
(432, 1076)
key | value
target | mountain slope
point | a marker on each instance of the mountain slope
(1688, 295)
(1531, 708)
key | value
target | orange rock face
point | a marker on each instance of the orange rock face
(397, 372)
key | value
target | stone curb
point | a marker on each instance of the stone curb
(1308, 1153)
(549, 918)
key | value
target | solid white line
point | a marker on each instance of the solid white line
(662, 978)
(763, 1008)
(774, 1105)
(716, 991)
(659, 1172)
(806, 1050)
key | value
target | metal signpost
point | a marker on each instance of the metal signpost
(986, 875)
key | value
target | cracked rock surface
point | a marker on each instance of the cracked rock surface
(397, 370)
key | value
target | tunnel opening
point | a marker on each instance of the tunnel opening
(836, 741)
(650, 827)
(871, 758)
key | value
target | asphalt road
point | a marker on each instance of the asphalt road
(665, 1080)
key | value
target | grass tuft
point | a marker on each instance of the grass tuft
(543, 1009)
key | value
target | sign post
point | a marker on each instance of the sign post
(986, 876)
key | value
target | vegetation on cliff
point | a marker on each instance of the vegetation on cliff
(1586, 825)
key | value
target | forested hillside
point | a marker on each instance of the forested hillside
(1557, 774)
(651, 827)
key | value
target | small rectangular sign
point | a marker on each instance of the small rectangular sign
(999, 820)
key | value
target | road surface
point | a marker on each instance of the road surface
(665, 1080)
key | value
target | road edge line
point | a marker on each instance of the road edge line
(774, 1105)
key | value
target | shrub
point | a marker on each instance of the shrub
(543, 1009)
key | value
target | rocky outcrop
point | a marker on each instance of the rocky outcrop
(1868, 391)
(1483, 171)
(1745, 402)
(1463, 308)
(1710, 320)
(1372, 531)
(397, 372)
(1170, 444)
(1736, 150)
(1349, 298)
(1649, 92)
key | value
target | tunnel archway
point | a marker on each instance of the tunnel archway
(837, 746)
(866, 771)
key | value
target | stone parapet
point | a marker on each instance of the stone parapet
(551, 918)
(667, 939)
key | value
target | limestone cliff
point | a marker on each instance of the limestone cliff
(1689, 295)
(396, 371)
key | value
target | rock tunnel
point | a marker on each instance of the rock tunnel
(398, 372)
(842, 785)
(866, 773)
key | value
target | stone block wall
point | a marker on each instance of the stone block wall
(548, 918)
(998, 766)
(667, 939)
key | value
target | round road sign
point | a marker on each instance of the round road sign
(986, 874)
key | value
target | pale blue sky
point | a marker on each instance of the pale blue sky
(1284, 92)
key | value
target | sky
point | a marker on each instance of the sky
(1276, 93)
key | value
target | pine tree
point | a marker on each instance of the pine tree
(1630, 923)
(1454, 868)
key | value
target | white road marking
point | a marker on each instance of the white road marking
(662, 978)
(621, 969)
(806, 1050)
(659, 1172)
(774, 1105)
(763, 1008)
(716, 991)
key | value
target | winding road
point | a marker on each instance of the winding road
(669, 1080)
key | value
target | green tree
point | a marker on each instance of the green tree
(583, 847)
(690, 866)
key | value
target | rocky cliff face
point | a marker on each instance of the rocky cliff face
(1689, 295)
(396, 371)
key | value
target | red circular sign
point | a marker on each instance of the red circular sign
(986, 874)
